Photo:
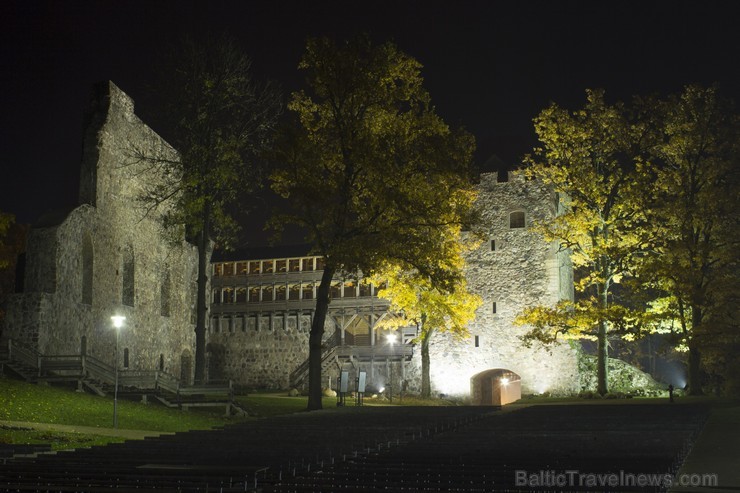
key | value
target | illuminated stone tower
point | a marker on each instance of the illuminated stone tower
(512, 270)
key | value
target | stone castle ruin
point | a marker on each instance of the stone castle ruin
(106, 257)
(263, 302)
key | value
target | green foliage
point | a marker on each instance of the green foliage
(220, 121)
(651, 193)
(6, 221)
(368, 170)
(415, 299)
(592, 158)
(20, 401)
(693, 220)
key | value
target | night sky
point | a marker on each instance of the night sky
(489, 66)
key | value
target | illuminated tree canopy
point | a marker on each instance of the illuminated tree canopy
(650, 196)
(693, 218)
(591, 158)
(417, 301)
(369, 170)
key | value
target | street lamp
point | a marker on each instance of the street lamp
(117, 324)
(391, 338)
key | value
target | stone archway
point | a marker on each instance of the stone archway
(496, 387)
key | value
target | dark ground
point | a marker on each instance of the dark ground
(387, 448)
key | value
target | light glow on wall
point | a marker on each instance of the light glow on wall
(452, 381)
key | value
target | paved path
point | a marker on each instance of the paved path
(716, 452)
(90, 430)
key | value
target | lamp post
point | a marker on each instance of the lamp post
(391, 338)
(117, 324)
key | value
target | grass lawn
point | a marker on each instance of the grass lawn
(29, 403)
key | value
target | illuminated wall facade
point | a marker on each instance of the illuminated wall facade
(104, 258)
(512, 270)
(262, 309)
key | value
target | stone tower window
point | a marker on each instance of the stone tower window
(87, 269)
(502, 176)
(516, 219)
(164, 293)
(125, 358)
(128, 293)
(477, 341)
(493, 245)
(493, 307)
(161, 362)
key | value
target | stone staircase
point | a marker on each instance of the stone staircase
(299, 376)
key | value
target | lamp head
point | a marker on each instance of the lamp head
(391, 338)
(118, 321)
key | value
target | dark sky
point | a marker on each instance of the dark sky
(489, 66)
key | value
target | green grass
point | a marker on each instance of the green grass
(20, 401)
(59, 440)
(276, 403)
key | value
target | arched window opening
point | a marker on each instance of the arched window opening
(87, 269)
(165, 293)
(128, 293)
(516, 219)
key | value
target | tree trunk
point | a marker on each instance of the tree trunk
(201, 302)
(426, 383)
(695, 354)
(602, 348)
(314, 340)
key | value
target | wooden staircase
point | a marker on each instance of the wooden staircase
(98, 377)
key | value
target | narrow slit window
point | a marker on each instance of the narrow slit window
(477, 341)
(493, 307)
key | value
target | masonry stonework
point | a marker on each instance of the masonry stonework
(108, 257)
(513, 270)
(80, 264)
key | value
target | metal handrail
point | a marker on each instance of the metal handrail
(24, 354)
(300, 373)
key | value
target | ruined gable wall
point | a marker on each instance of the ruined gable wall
(116, 223)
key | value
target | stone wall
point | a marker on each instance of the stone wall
(518, 270)
(75, 265)
(260, 357)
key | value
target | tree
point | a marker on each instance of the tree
(590, 157)
(418, 301)
(368, 169)
(6, 221)
(220, 121)
(693, 217)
